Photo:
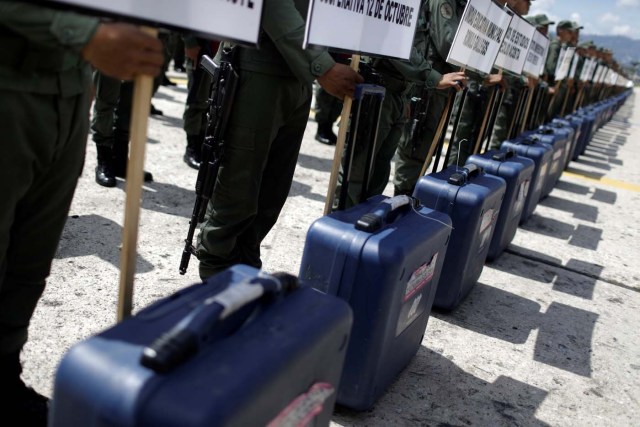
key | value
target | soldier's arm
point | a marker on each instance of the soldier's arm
(285, 27)
(552, 59)
(47, 27)
(118, 50)
(418, 69)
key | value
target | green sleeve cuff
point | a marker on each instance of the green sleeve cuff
(433, 79)
(73, 31)
(321, 64)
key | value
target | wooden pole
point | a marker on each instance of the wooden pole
(441, 126)
(342, 137)
(141, 105)
(527, 109)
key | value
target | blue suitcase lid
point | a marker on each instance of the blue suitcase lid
(503, 162)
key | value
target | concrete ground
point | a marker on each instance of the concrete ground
(549, 335)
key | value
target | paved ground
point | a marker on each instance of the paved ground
(549, 336)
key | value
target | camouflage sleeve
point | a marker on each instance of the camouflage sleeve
(285, 27)
(552, 59)
(444, 24)
(418, 68)
(47, 27)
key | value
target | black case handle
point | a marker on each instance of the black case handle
(190, 334)
(503, 156)
(374, 220)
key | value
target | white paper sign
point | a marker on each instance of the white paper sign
(587, 69)
(574, 66)
(564, 63)
(515, 46)
(536, 56)
(375, 27)
(479, 36)
(598, 74)
(225, 19)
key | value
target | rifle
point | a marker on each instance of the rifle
(418, 119)
(223, 87)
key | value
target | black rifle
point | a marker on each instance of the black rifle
(223, 87)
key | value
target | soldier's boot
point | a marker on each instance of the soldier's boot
(325, 134)
(193, 154)
(104, 170)
(121, 156)
(20, 405)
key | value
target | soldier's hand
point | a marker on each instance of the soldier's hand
(192, 53)
(123, 51)
(340, 81)
(495, 79)
(456, 80)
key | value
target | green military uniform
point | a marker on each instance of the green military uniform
(110, 127)
(444, 16)
(43, 81)
(399, 78)
(470, 123)
(263, 138)
(506, 113)
(195, 109)
(328, 109)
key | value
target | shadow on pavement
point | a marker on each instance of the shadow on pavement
(434, 391)
(564, 333)
(315, 163)
(548, 227)
(303, 190)
(572, 187)
(95, 235)
(604, 196)
(577, 278)
(579, 210)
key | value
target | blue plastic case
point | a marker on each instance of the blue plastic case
(383, 256)
(473, 200)
(517, 172)
(213, 354)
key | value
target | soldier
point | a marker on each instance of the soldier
(44, 79)
(566, 31)
(444, 16)
(506, 113)
(110, 128)
(264, 134)
(198, 86)
(328, 109)
(399, 78)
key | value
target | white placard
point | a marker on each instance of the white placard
(564, 63)
(598, 74)
(574, 66)
(515, 45)
(587, 69)
(536, 56)
(479, 36)
(224, 19)
(375, 27)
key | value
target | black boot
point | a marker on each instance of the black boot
(325, 134)
(121, 156)
(193, 154)
(20, 405)
(104, 172)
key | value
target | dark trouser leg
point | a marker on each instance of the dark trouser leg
(38, 175)
(412, 154)
(240, 214)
